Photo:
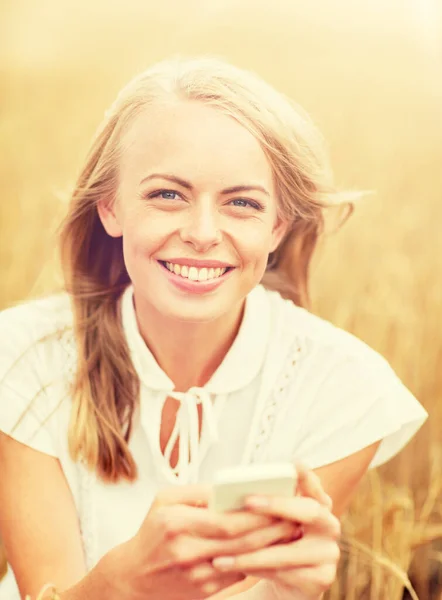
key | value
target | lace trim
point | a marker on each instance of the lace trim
(273, 404)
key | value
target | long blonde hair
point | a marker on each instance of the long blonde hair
(106, 388)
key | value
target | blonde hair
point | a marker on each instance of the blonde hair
(106, 388)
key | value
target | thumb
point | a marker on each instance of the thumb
(310, 486)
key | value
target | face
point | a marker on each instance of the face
(197, 210)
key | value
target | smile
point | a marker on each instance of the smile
(194, 273)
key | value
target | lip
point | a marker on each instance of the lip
(194, 287)
(199, 264)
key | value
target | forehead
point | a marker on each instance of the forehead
(193, 140)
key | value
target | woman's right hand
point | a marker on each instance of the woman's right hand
(170, 556)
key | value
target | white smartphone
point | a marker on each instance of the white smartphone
(231, 485)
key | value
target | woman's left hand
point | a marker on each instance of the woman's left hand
(308, 562)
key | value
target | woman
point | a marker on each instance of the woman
(169, 357)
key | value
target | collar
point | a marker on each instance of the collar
(239, 367)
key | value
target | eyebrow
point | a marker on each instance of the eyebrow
(185, 184)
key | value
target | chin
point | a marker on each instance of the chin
(188, 311)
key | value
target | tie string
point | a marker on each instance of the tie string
(187, 430)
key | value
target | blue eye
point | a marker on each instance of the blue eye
(244, 203)
(166, 195)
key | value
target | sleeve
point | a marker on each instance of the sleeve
(359, 401)
(25, 410)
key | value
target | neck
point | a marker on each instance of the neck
(189, 353)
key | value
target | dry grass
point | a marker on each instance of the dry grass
(370, 76)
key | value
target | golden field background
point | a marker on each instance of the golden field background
(371, 76)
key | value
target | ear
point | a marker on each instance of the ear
(279, 231)
(108, 217)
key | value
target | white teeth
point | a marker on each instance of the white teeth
(202, 275)
(194, 274)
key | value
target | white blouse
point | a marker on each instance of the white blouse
(292, 387)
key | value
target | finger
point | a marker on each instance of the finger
(309, 485)
(310, 581)
(187, 550)
(208, 580)
(179, 519)
(210, 588)
(307, 552)
(236, 524)
(282, 532)
(301, 510)
(205, 572)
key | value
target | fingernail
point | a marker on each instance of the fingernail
(256, 502)
(298, 534)
(223, 562)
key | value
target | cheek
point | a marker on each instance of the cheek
(255, 246)
(142, 232)
(140, 241)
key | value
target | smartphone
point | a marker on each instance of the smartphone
(232, 485)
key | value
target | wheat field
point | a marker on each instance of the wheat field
(370, 74)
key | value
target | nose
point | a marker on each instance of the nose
(201, 229)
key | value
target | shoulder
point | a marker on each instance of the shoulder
(39, 315)
(318, 341)
(42, 311)
(35, 359)
(35, 327)
(335, 395)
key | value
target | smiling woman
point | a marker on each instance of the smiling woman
(183, 344)
(222, 208)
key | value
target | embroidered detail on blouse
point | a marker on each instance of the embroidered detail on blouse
(274, 402)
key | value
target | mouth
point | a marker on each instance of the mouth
(196, 273)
